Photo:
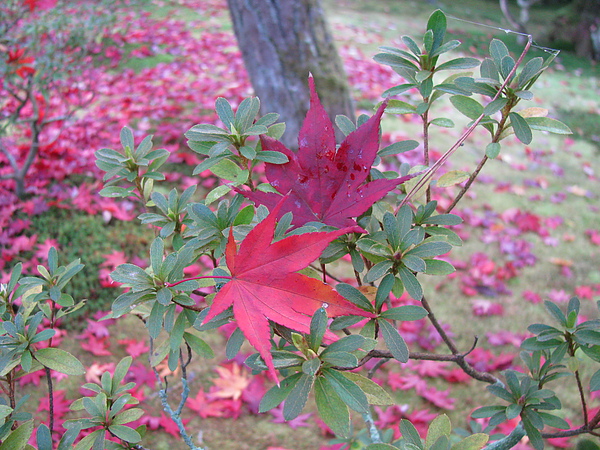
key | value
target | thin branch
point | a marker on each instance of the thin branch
(50, 401)
(582, 397)
(373, 431)
(434, 168)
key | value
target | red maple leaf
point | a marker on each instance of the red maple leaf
(264, 284)
(325, 184)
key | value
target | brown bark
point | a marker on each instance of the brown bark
(281, 42)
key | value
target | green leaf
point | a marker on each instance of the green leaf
(43, 438)
(294, 404)
(554, 421)
(378, 270)
(340, 359)
(127, 416)
(437, 24)
(498, 51)
(125, 433)
(398, 147)
(535, 437)
(399, 107)
(458, 64)
(272, 157)
(224, 111)
(349, 292)
(410, 433)
(495, 106)
(473, 442)
(442, 122)
(381, 447)
(344, 124)
(467, 106)
(228, 170)
(530, 70)
(318, 326)
(595, 382)
(487, 411)
(376, 395)
(440, 426)
(277, 394)
(87, 442)
(548, 124)
(521, 128)
(394, 341)
(492, 150)
(133, 276)
(556, 313)
(452, 178)
(438, 267)
(411, 284)
(346, 344)
(198, 345)
(395, 61)
(234, 343)
(59, 360)
(17, 439)
(246, 113)
(311, 366)
(332, 409)
(405, 313)
(348, 391)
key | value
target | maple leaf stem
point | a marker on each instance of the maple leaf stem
(198, 278)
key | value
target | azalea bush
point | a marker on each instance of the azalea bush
(304, 255)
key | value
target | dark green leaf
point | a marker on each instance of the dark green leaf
(349, 292)
(277, 394)
(294, 404)
(492, 150)
(340, 359)
(410, 433)
(346, 344)
(378, 270)
(318, 326)
(394, 341)
(311, 366)
(437, 24)
(394, 61)
(332, 409)
(458, 64)
(521, 128)
(59, 360)
(125, 433)
(398, 147)
(487, 411)
(344, 124)
(405, 313)
(498, 51)
(548, 124)
(272, 157)
(348, 391)
(467, 106)
(411, 283)
(234, 343)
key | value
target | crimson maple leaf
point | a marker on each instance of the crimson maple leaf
(324, 184)
(264, 284)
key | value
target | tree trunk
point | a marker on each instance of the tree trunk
(282, 41)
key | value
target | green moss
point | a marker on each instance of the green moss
(88, 238)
